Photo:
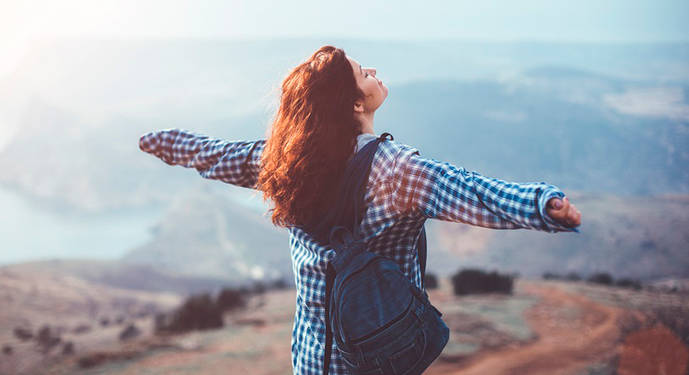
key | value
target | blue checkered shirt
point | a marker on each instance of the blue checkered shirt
(404, 189)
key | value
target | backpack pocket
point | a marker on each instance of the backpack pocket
(405, 360)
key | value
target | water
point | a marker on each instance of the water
(29, 232)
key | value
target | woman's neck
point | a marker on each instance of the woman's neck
(366, 120)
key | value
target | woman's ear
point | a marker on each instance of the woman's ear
(358, 107)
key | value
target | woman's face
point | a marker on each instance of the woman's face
(373, 88)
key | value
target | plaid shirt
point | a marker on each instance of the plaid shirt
(403, 190)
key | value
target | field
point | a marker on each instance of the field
(545, 327)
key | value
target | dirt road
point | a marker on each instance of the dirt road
(571, 330)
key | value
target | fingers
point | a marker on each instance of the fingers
(558, 213)
(567, 214)
(573, 216)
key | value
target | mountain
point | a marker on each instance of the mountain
(604, 122)
(121, 275)
(34, 295)
(635, 237)
(530, 132)
(518, 111)
(206, 234)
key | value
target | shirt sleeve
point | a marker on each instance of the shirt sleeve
(440, 190)
(236, 163)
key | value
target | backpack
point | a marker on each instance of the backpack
(382, 322)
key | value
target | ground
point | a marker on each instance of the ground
(553, 328)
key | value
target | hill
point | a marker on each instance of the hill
(57, 310)
(636, 237)
(543, 328)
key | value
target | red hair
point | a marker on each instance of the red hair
(312, 137)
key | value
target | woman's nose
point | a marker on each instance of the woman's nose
(372, 71)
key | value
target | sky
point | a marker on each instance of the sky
(22, 21)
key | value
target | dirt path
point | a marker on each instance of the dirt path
(572, 331)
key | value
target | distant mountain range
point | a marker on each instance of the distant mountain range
(79, 113)
(609, 124)
(205, 242)
(628, 237)
(205, 234)
(635, 237)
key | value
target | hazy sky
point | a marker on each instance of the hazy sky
(552, 20)
(587, 20)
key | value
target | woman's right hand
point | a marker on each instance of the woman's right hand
(563, 212)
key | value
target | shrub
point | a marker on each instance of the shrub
(81, 328)
(573, 276)
(92, 360)
(629, 283)
(161, 321)
(551, 276)
(674, 318)
(68, 348)
(23, 334)
(601, 278)
(469, 281)
(230, 299)
(279, 284)
(430, 281)
(258, 288)
(130, 332)
(47, 339)
(7, 349)
(197, 312)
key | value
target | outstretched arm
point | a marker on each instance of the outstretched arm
(236, 163)
(443, 191)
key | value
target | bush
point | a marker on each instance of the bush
(258, 288)
(279, 284)
(92, 360)
(23, 334)
(573, 276)
(674, 318)
(601, 278)
(551, 276)
(81, 328)
(47, 338)
(7, 349)
(68, 348)
(197, 312)
(230, 299)
(130, 332)
(471, 281)
(629, 283)
(430, 281)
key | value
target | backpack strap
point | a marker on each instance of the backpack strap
(421, 253)
(353, 188)
(329, 280)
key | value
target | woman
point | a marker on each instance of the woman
(326, 114)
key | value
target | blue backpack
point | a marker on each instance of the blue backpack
(382, 322)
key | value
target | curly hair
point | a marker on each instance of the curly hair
(312, 136)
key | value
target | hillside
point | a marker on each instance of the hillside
(120, 274)
(636, 237)
(543, 328)
(87, 315)
(206, 235)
